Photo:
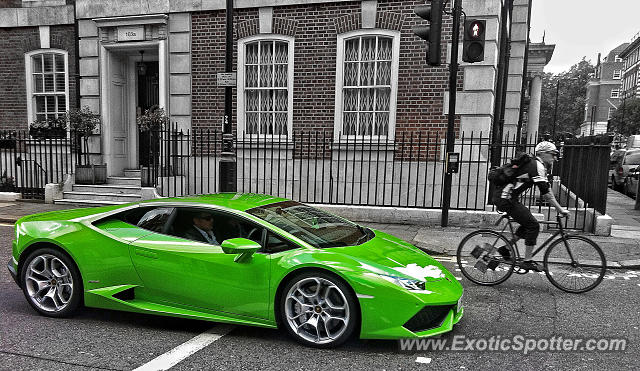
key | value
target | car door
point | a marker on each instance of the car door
(192, 273)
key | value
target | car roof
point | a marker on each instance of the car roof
(236, 201)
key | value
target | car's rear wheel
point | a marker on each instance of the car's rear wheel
(318, 309)
(51, 283)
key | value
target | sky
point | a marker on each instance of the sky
(583, 28)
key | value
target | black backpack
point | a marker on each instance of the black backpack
(506, 173)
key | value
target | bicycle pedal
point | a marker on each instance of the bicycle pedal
(477, 251)
(493, 265)
(481, 266)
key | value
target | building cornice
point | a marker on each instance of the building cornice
(93, 9)
(36, 16)
(630, 48)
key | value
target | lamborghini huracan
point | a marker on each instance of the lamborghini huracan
(246, 259)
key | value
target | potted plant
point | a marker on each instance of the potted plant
(149, 125)
(82, 123)
(7, 183)
(7, 140)
(49, 128)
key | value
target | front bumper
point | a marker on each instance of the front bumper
(396, 314)
(12, 270)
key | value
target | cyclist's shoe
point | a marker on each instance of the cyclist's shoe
(532, 266)
(505, 252)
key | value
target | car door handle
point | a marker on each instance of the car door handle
(146, 254)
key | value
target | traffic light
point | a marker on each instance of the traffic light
(473, 45)
(433, 14)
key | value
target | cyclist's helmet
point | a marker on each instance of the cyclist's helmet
(546, 147)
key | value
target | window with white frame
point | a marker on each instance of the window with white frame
(617, 74)
(47, 80)
(366, 84)
(615, 93)
(265, 94)
(618, 59)
(610, 113)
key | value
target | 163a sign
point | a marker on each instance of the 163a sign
(131, 33)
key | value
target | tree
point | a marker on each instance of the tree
(626, 119)
(571, 98)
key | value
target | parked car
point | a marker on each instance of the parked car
(633, 141)
(630, 160)
(615, 157)
(631, 182)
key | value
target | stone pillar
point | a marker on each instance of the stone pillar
(519, 35)
(533, 123)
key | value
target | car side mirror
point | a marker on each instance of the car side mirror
(243, 247)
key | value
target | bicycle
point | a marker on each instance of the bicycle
(487, 257)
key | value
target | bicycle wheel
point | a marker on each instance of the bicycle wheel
(486, 257)
(575, 264)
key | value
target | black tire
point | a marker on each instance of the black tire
(616, 187)
(467, 245)
(589, 259)
(350, 301)
(74, 294)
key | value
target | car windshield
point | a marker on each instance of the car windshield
(632, 159)
(311, 225)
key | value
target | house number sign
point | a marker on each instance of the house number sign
(135, 33)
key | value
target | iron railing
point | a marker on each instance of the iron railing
(27, 164)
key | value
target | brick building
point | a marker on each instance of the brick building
(37, 55)
(631, 69)
(603, 92)
(350, 68)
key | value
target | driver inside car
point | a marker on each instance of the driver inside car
(202, 229)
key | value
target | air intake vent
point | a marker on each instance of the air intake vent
(428, 318)
(125, 295)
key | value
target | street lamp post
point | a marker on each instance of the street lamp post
(227, 165)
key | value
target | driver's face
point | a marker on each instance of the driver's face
(204, 222)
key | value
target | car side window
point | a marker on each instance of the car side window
(155, 219)
(190, 223)
(277, 244)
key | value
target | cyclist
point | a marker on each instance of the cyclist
(506, 200)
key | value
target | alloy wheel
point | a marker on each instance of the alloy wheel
(49, 283)
(317, 310)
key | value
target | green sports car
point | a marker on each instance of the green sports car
(248, 259)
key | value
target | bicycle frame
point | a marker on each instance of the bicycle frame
(548, 241)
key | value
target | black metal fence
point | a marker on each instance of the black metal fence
(320, 167)
(28, 163)
(406, 171)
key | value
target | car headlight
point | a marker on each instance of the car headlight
(407, 283)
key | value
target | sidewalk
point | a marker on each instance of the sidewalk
(620, 252)
(626, 220)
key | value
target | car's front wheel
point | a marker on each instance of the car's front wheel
(51, 283)
(318, 309)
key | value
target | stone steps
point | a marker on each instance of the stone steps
(118, 190)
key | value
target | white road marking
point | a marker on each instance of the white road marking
(449, 259)
(176, 355)
(423, 360)
(6, 225)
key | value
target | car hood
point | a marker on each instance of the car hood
(386, 254)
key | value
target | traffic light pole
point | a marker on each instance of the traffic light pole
(453, 82)
(227, 165)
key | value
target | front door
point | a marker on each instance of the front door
(148, 99)
(118, 124)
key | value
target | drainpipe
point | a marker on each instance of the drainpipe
(77, 74)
